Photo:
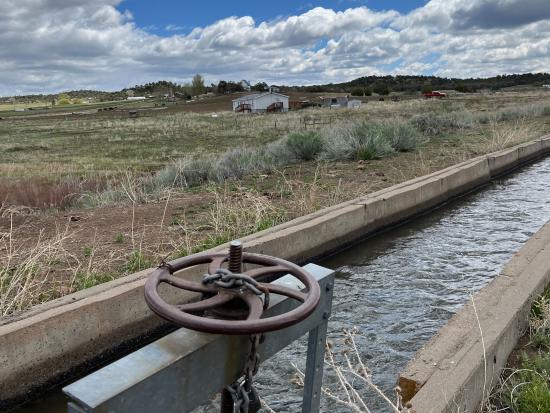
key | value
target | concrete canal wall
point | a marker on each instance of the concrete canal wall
(56, 339)
(459, 366)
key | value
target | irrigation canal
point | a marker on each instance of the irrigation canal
(400, 287)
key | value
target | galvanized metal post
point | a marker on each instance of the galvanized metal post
(174, 374)
(315, 360)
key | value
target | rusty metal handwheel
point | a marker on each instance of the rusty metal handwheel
(215, 297)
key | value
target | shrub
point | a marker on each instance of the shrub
(279, 152)
(372, 141)
(305, 145)
(381, 88)
(357, 92)
(43, 193)
(427, 88)
(434, 124)
(238, 162)
(185, 173)
(403, 136)
(369, 140)
(338, 144)
(519, 112)
(462, 88)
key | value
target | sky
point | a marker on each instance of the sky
(47, 46)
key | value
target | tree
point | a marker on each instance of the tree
(462, 88)
(222, 87)
(197, 85)
(381, 88)
(427, 88)
(368, 91)
(260, 87)
(63, 99)
(358, 92)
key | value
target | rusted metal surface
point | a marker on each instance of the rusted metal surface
(194, 315)
(185, 369)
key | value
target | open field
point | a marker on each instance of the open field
(128, 200)
(107, 143)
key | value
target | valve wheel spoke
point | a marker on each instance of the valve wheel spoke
(216, 264)
(188, 285)
(288, 292)
(272, 269)
(207, 304)
(255, 306)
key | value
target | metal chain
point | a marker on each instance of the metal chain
(253, 362)
(224, 278)
(241, 389)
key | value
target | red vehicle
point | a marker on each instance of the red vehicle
(435, 94)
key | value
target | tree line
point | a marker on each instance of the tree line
(383, 85)
(363, 86)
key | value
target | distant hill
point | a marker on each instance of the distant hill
(400, 83)
(95, 95)
(405, 83)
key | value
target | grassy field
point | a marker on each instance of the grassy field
(106, 144)
(87, 198)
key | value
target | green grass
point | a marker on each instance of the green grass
(91, 161)
(137, 262)
(105, 146)
(527, 390)
(85, 280)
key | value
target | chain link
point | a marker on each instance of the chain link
(240, 390)
(224, 278)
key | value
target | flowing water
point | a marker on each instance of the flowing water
(400, 287)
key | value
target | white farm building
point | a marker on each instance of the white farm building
(261, 102)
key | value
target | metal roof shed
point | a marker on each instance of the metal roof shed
(261, 102)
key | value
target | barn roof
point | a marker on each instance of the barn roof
(257, 96)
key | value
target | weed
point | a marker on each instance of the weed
(84, 280)
(527, 390)
(25, 275)
(119, 239)
(87, 251)
(137, 262)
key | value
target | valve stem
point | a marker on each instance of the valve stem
(235, 256)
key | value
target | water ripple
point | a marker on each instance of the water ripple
(399, 288)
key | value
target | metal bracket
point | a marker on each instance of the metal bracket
(185, 369)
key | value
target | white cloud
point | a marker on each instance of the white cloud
(51, 45)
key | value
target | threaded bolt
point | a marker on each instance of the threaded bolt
(235, 256)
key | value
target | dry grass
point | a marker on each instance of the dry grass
(32, 272)
(504, 136)
(352, 379)
(25, 274)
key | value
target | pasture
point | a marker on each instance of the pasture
(91, 196)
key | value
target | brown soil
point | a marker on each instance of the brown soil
(103, 240)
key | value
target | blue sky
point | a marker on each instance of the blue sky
(56, 45)
(182, 16)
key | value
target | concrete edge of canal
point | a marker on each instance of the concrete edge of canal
(55, 341)
(457, 368)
